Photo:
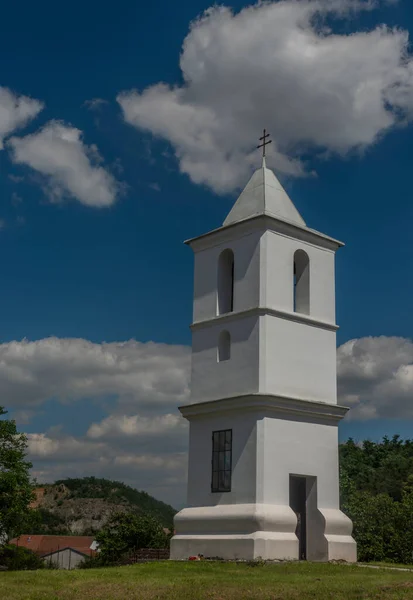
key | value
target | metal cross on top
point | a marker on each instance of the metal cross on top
(264, 141)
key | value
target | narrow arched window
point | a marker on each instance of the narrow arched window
(225, 282)
(224, 346)
(301, 282)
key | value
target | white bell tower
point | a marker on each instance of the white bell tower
(263, 449)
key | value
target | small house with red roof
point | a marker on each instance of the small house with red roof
(66, 551)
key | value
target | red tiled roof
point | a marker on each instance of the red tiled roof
(45, 544)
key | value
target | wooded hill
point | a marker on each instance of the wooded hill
(82, 506)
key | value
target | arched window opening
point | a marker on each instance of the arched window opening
(301, 282)
(226, 282)
(224, 346)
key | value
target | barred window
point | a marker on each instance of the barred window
(221, 460)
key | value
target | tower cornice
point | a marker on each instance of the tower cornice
(264, 222)
(262, 311)
(269, 405)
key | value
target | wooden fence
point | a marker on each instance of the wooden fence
(145, 554)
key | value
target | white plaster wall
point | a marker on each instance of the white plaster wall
(211, 379)
(65, 559)
(297, 360)
(255, 518)
(246, 276)
(243, 487)
(266, 451)
(297, 448)
(277, 260)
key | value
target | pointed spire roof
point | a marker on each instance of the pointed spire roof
(264, 195)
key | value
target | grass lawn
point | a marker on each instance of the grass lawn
(205, 580)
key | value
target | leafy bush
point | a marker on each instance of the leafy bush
(127, 531)
(92, 562)
(256, 562)
(16, 558)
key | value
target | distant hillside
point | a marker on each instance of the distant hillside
(82, 506)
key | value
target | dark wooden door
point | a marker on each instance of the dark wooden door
(298, 497)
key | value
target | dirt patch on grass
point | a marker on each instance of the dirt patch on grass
(405, 585)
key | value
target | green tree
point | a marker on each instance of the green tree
(16, 558)
(378, 467)
(16, 490)
(374, 519)
(43, 521)
(127, 531)
(376, 488)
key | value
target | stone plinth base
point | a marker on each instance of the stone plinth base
(261, 544)
(251, 531)
(336, 529)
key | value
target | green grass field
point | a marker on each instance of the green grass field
(212, 581)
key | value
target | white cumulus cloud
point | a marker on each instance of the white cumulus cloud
(149, 380)
(375, 377)
(142, 438)
(58, 448)
(70, 168)
(123, 425)
(276, 65)
(16, 111)
(138, 374)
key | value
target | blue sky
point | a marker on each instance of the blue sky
(121, 272)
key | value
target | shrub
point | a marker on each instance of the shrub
(92, 562)
(256, 562)
(16, 558)
(124, 532)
